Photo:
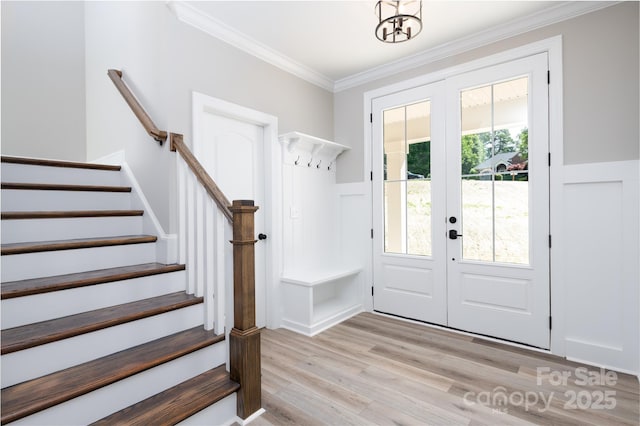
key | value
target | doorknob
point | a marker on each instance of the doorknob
(262, 237)
(453, 234)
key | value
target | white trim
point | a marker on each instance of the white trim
(556, 149)
(196, 18)
(251, 418)
(191, 15)
(273, 180)
(317, 327)
(113, 159)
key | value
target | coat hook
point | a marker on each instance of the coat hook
(297, 160)
(310, 161)
(329, 166)
(318, 165)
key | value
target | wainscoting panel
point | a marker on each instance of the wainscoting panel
(600, 256)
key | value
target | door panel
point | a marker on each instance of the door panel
(233, 154)
(498, 270)
(410, 277)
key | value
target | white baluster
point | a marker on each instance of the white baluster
(209, 267)
(227, 284)
(182, 210)
(200, 235)
(221, 244)
(191, 231)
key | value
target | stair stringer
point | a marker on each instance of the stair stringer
(167, 244)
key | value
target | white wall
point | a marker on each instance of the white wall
(163, 61)
(601, 85)
(43, 86)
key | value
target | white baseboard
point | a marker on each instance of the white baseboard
(251, 417)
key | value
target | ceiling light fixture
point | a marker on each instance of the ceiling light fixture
(398, 21)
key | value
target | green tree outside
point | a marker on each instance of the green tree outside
(523, 145)
(472, 153)
(419, 158)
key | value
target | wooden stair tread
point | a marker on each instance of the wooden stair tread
(79, 243)
(63, 282)
(58, 163)
(69, 214)
(177, 403)
(63, 187)
(29, 397)
(31, 335)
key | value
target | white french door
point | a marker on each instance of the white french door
(408, 194)
(461, 202)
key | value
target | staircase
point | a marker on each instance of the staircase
(94, 329)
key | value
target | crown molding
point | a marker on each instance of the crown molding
(558, 13)
(196, 18)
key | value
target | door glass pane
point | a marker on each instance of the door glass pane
(495, 180)
(407, 179)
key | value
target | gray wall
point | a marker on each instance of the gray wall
(49, 49)
(601, 101)
(163, 61)
(43, 86)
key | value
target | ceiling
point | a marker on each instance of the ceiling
(334, 41)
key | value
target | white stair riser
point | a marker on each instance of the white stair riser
(44, 359)
(27, 230)
(104, 401)
(46, 306)
(222, 412)
(14, 200)
(61, 175)
(44, 264)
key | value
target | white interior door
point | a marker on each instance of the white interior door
(232, 152)
(409, 211)
(498, 269)
(461, 227)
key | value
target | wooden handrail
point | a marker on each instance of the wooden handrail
(176, 143)
(145, 120)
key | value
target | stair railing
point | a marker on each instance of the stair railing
(203, 231)
(145, 120)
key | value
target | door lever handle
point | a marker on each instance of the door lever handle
(453, 234)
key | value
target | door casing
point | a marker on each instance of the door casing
(203, 104)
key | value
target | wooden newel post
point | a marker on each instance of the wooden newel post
(244, 339)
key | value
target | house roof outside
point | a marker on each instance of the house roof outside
(493, 162)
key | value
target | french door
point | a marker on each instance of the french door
(461, 203)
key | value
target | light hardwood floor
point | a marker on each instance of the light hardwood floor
(375, 370)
